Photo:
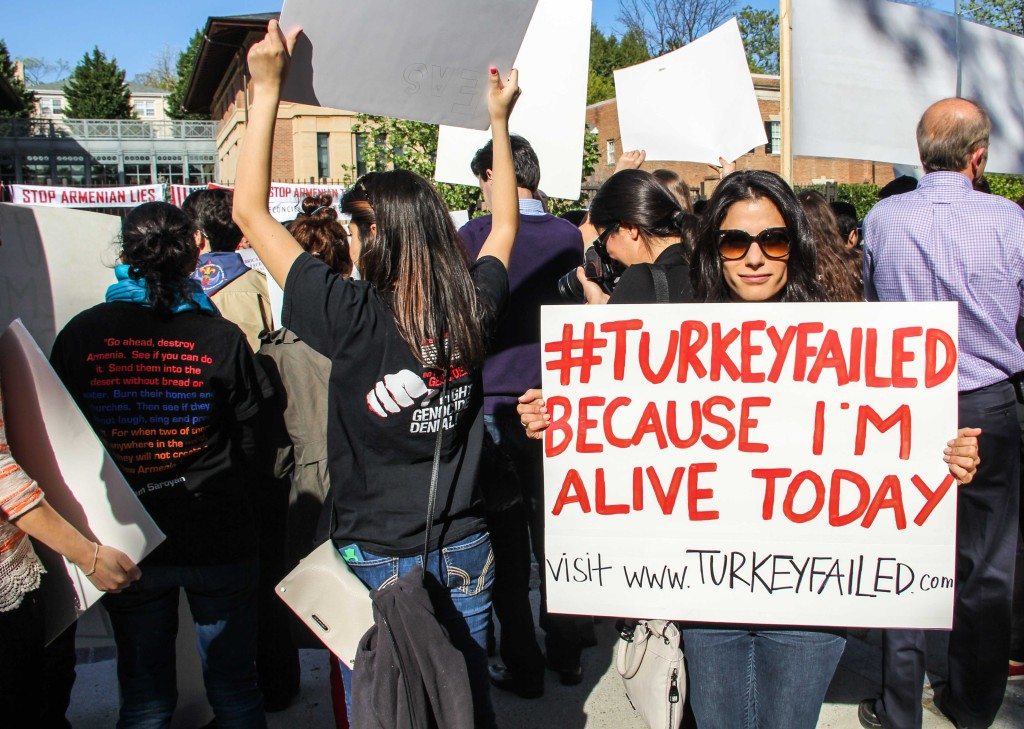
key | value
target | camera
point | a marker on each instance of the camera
(598, 267)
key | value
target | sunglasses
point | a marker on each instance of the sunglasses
(734, 244)
(601, 242)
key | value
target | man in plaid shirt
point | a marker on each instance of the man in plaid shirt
(947, 242)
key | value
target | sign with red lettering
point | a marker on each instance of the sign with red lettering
(286, 198)
(86, 197)
(773, 463)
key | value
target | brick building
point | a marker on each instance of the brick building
(604, 118)
(310, 143)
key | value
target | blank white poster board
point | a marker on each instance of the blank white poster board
(51, 439)
(865, 70)
(777, 464)
(403, 58)
(551, 114)
(695, 104)
(54, 263)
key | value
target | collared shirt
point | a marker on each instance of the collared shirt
(531, 206)
(947, 242)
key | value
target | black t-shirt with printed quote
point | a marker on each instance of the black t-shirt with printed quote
(384, 409)
(165, 395)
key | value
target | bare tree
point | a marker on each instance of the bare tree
(40, 71)
(668, 24)
(163, 74)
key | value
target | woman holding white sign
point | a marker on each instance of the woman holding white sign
(406, 346)
(754, 245)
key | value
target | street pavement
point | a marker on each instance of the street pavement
(597, 703)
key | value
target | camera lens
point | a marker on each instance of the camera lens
(570, 288)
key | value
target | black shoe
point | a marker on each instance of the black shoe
(940, 705)
(274, 702)
(867, 716)
(505, 680)
(571, 676)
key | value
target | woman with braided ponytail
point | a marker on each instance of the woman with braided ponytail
(170, 387)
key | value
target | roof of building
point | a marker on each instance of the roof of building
(761, 81)
(58, 87)
(8, 96)
(223, 37)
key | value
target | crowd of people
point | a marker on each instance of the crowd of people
(408, 354)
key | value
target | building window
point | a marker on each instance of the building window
(144, 108)
(323, 155)
(70, 171)
(360, 155)
(52, 106)
(138, 173)
(773, 130)
(612, 156)
(103, 173)
(200, 173)
(170, 173)
(7, 171)
(35, 170)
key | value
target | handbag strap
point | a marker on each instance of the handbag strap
(435, 471)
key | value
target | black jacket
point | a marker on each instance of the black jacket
(408, 675)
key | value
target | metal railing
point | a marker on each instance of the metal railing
(107, 129)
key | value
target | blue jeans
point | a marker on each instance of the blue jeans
(466, 568)
(759, 679)
(222, 599)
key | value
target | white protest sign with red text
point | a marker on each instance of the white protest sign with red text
(86, 197)
(759, 463)
(286, 198)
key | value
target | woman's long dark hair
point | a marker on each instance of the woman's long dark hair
(706, 272)
(417, 259)
(838, 272)
(157, 245)
(635, 197)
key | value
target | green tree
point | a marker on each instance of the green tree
(1005, 14)
(97, 90)
(183, 69)
(760, 31)
(608, 53)
(25, 97)
(401, 144)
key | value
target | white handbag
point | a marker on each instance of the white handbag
(327, 596)
(330, 600)
(649, 659)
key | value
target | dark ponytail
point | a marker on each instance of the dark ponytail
(635, 197)
(157, 245)
(319, 232)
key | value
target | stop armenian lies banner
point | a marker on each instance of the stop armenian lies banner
(86, 197)
(751, 463)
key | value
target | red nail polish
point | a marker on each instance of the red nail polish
(494, 71)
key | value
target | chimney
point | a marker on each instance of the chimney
(19, 70)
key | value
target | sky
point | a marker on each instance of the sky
(135, 32)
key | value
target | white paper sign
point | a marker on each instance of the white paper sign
(54, 263)
(865, 71)
(695, 104)
(773, 463)
(86, 197)
(286, 198)
(51, 439)
(403, 58)
(276, 293)
(551, 114)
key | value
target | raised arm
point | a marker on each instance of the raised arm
(501, 98)
(275, 246)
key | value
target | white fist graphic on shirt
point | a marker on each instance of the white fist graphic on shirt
(396, 392)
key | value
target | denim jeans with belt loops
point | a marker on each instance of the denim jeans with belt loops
(466, 568)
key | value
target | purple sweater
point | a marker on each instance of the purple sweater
(546, 248)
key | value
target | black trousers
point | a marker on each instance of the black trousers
(1017, 632)
(514, 533)
(987, 515)
(35, 679)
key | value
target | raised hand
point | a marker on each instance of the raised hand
(631, 160)
(502, 95)
(268, 59)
